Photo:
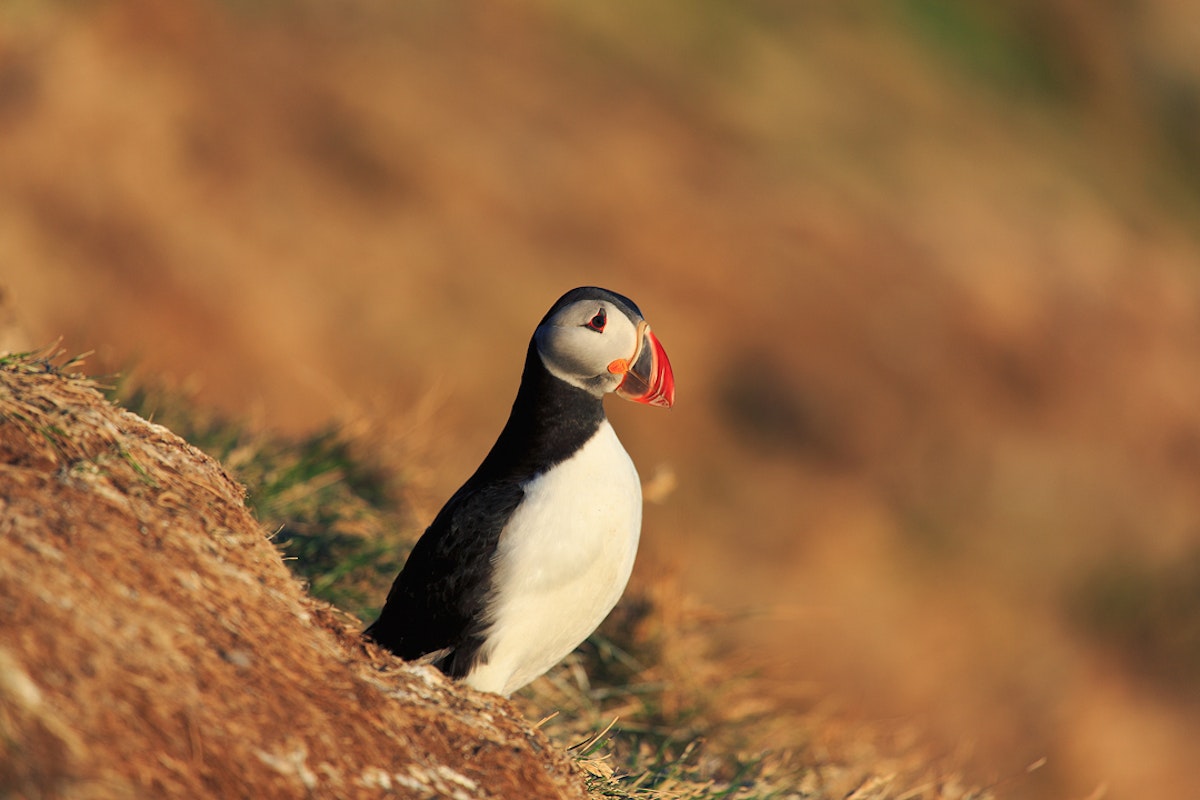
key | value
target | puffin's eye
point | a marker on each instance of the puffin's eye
(597, 322)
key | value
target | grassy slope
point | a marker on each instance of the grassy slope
(154, 644)
(644, 706)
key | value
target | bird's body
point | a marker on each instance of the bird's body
(534, 550)
(562, 562)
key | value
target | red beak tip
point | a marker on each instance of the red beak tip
(656, 388)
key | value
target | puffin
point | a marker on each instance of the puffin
(534, 550)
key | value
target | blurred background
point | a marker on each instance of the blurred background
(928, 272)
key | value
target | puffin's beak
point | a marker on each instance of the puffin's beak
(648, 377)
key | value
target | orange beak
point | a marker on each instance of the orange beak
(648, 376)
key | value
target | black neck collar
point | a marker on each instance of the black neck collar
(550, 420)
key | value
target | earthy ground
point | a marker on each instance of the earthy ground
(155, 645)
(927, 274)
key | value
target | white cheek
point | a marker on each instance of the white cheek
(580, 356)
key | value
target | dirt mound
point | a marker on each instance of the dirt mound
(153, 642)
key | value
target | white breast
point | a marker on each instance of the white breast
(562, 563)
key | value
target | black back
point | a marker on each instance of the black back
(439, 601)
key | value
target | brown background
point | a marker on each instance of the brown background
(929, 277)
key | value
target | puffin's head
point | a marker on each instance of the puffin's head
(597, 340)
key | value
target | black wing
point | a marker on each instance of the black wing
(439, 599)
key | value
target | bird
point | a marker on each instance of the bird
(533, 551)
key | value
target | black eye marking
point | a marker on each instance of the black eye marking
(597, 322)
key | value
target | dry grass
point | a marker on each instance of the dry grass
(338, 513)
(155, 644)
(647, 707)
